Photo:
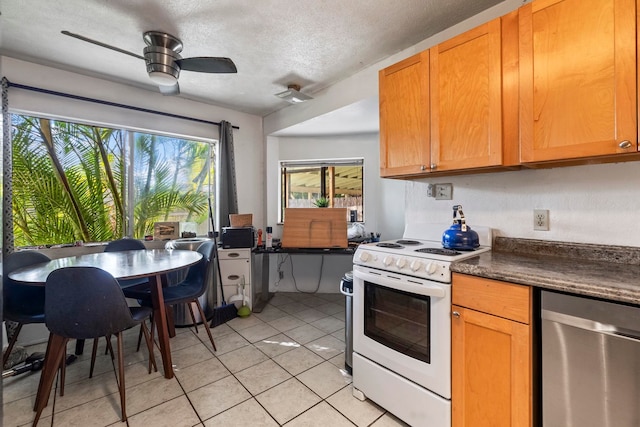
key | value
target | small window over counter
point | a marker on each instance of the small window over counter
(330, 183)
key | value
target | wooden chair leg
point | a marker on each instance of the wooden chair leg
(121, 385)
(151, 328)
(204, 324)
(193, 317)
(147, 338)
(12, 342)
(56, 351)
(63, 372)
(93, 356)
(140, 336)
(171, 326)
(109, 348)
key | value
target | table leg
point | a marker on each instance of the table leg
(56, 351)
(160, 316)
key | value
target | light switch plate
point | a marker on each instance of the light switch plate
(444, 191)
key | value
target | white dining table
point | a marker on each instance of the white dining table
(153, 264)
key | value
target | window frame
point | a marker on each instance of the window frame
(128, 156)
(319, 163)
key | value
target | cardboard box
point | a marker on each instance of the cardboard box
(241, 220)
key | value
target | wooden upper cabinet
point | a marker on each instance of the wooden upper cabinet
(577, 79)
(404, 117)
(468, 102)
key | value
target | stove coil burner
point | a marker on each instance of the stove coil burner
(389, 245)
(439, 251)
(408, 242)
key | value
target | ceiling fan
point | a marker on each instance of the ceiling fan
(164, 63)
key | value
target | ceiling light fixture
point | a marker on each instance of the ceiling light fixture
(162, 79)
(293, 95)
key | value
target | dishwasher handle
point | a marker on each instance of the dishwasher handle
(591, 325)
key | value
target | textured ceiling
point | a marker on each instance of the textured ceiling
(312, 43)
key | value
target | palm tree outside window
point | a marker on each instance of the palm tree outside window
(76, 181)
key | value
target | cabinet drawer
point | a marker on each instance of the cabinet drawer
(225, 254)
(233, 271)
(493, 297)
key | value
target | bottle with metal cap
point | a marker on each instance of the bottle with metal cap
(269, 239)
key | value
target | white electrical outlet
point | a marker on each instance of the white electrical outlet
(541, 219)
(430, 191)
(444, 191)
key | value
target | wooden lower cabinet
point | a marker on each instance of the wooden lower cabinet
(491, 354)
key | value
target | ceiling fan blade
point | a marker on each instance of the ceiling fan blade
(207, 64)
(169, 90)
(86, 39)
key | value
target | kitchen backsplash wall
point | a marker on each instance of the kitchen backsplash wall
(587, 204)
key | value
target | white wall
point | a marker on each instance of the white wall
(248, 140)
(587, 204)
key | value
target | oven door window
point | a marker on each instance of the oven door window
(398, 320)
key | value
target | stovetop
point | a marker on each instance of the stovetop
(421, 249)
(418, 253)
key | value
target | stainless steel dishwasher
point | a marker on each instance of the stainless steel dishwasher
(590, 362)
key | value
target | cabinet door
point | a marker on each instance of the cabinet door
(491, 370)
(578, 79)
(466, 98)
(234, 272)
(404, 117)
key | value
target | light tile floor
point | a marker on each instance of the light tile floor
(283, 366)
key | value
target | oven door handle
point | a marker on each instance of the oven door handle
(407, 285)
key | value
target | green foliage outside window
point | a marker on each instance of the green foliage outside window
(70, 182)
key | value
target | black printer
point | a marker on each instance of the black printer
(238, 237)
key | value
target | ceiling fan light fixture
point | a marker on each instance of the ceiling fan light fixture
(162, 79)
(293, 95)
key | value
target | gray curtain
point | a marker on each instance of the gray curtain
(227, 192)
(7, 171)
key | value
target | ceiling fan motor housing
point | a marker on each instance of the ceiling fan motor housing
(161, 56)
(161, 61)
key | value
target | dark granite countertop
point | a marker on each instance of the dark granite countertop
(608, 272)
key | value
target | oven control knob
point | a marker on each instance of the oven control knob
(416, 265)
(401, 263)
(365, 256)
(431, 268)
(388, 261)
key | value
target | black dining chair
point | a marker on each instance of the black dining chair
(23, 304)
(189, 290)
(84, 303)
(127, 244)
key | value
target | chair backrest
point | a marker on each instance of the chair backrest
(200, 272)
(19, 298)
(85, 302)
(206, 249)
(124, 245)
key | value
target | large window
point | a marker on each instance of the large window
(339, 181)
(79, 182)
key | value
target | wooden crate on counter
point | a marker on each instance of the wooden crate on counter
(315, 228)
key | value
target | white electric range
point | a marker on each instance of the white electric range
(402, 323)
